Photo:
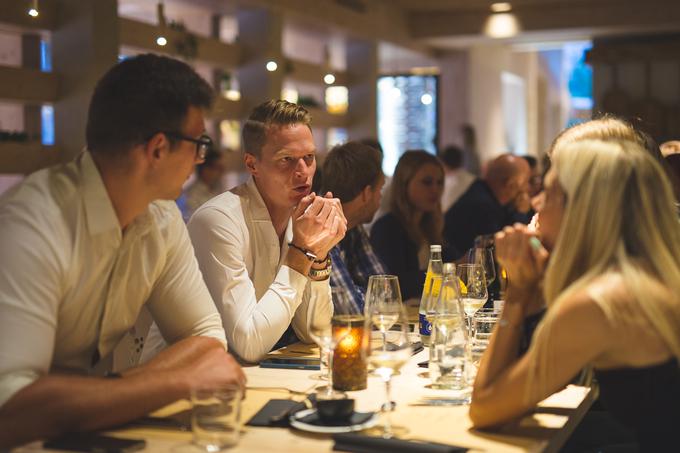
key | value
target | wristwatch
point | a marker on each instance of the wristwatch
(320, 274)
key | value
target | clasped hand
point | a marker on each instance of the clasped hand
(319, 223)
(524, 258)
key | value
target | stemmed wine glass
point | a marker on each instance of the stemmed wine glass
(387, 349)
(327, 332)
(483, 256)
(384, 294)
(473, 292)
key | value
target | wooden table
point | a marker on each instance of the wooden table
(546, 430)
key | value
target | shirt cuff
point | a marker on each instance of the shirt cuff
(11, 383)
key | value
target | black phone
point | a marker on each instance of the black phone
(295, 363)
(96, 443)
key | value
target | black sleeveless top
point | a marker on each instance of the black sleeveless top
(647, 400)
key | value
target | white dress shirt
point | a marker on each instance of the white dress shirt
(241, 259)
(72, 282)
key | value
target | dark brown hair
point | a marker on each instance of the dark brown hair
(349, 168)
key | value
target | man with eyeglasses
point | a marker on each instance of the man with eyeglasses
(263, 247)
(84, 246)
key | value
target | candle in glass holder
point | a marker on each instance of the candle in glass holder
(349, 367)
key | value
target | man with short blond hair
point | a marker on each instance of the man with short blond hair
(263, 246)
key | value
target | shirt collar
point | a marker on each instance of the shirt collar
(99, 211)
(258, 208)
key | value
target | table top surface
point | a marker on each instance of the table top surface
(546, 429)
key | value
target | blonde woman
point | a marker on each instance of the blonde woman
(403, 236)
(612, 286)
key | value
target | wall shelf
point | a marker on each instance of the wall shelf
(28, 85)
(25, 158)
(313, 73)
(14, 13)
(224, 109)
(322, 119)
(143, 36)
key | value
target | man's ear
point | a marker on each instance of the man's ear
(366, 194)
(156, 147)
(250, 162)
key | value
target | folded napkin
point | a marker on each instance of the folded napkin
(358, 443)
(276, 408)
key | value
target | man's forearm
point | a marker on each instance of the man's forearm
(56, 404)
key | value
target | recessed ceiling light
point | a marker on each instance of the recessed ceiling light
(501, 7)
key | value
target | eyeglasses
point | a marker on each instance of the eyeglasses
(203, 143)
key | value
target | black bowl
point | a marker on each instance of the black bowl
(335, 410)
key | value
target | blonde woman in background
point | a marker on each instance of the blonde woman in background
(612, 287)
(402, 237)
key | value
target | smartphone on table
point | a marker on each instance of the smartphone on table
(294, 363)
(94, 442)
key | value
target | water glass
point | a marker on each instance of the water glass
(216, 417)
(484, 323)
(447, 348)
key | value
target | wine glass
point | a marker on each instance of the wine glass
(383, 302)
(483, 256)
(327, 332)
(387, 351)
(473, 292)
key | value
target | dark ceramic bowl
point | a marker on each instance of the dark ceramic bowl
(335, 410)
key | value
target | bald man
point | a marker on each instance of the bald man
(489, 204)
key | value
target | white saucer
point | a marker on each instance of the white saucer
(295, 422)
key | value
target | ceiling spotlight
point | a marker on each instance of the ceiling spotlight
(271, 66)
(426, 99)
(33, 10)
(161, 41)
(501, 7)
(329, 79)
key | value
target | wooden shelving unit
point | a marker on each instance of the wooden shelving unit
(28, 85)
(140, 35)
(313, 73)
(322, 119)
(224, 109)
(24, 158)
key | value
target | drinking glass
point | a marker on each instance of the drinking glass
(484, 322)
(483, 256)
(216, 417)
(473, 292)
(447, 362)
(387, 351)
(322, 331)
(383, 302)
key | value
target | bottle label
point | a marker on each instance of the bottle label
(424, 325)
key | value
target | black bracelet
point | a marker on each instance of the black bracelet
(309, 255)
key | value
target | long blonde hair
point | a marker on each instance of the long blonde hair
(619, 217)
(630, 226)
(431, 226)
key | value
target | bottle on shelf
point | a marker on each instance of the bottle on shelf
(430, 292)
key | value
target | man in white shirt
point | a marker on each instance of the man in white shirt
(85, 245)
(263, 246)
(206, 185)
(456, 179)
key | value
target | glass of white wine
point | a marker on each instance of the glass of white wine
(483, 256)
(322, 332)
(383, 301)
(387, 351)
(473, 292)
